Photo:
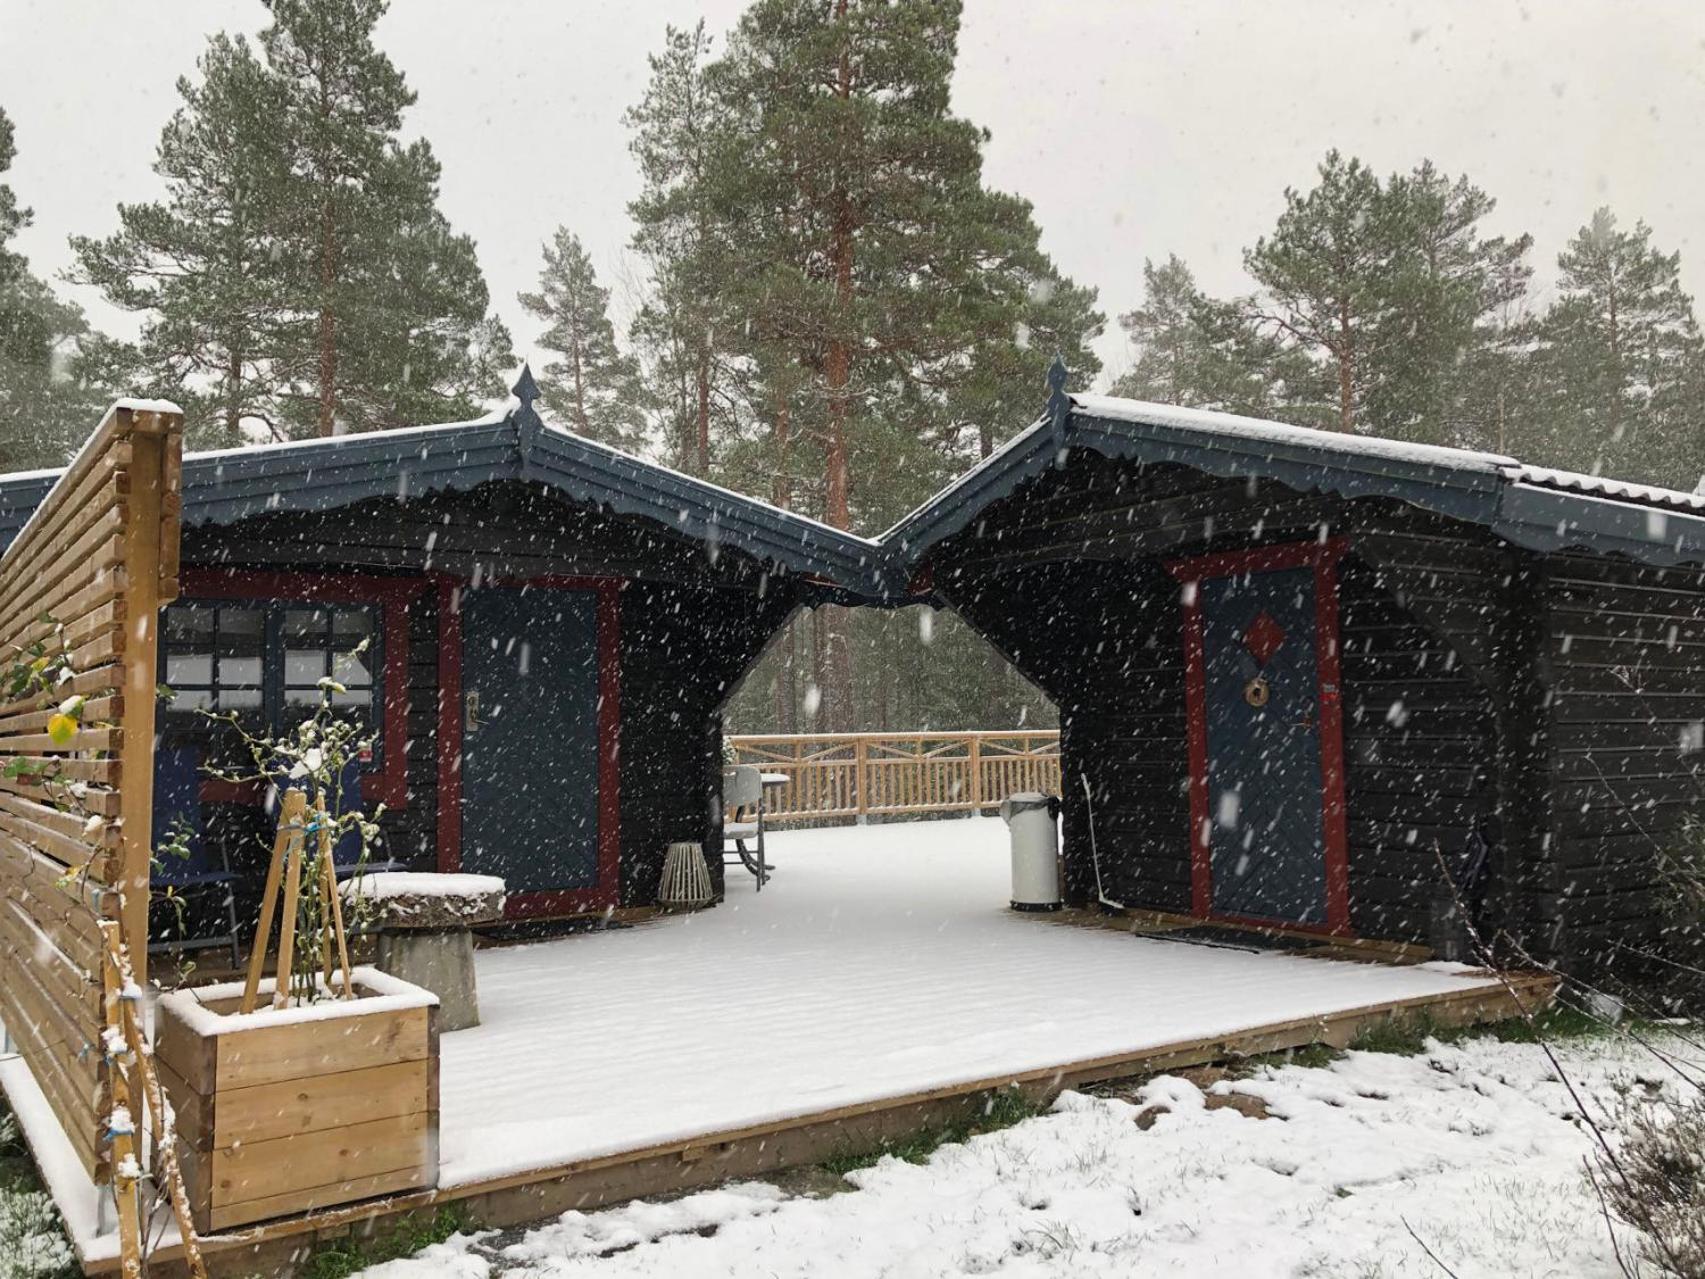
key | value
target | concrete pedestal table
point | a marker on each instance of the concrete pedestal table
(423, 922)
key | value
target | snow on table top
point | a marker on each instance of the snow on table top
(879, 961)
(408, 883)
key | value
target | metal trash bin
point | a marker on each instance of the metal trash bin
(1030, 817)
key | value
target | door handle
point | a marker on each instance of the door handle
(471, 723)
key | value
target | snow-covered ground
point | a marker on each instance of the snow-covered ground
(1472, 1151)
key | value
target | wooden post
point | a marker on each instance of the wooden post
(974, 753)
(861, 776)
(114, 962)
(155, 445)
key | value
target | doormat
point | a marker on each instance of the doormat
(1235, 938)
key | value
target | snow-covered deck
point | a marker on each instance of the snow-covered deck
(880, 962)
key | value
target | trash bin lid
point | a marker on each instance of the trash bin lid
(1023, 800)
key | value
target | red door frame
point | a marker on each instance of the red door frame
(531, 905)
(1322, 557)
(388, 784)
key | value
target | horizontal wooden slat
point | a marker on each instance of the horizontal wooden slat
(270, 1111)
(275, 1054)
(307, 1161)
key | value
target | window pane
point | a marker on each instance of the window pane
(304, 666)
(354, 697)
(349, 627)
(189, 668)
(189, 627)
(352, 670)
(190, 699)
(305, 627)
(238, 647)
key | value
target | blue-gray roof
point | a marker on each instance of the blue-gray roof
(317, 475)
(1532, 507)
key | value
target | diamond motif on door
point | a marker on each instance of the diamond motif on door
(1262, 637)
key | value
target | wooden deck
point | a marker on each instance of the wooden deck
(886, 989)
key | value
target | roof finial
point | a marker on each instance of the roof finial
(525, 389)
(1059, 404)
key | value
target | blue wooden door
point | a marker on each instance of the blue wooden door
(1261, 703)
(530, 737)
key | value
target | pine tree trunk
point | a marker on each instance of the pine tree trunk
(781, 493)
(1346, 370)
(328, 319)
(233, 397)
(581, 425)
(789, 682)
(837, 508)
(704, 409)
(819, 668)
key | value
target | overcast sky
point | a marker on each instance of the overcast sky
(1137, 128)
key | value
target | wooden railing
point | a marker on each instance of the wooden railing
(80, 591)
(840, 775)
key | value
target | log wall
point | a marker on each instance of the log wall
(1067, 578)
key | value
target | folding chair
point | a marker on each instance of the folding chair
(743, 794)
(201, 881)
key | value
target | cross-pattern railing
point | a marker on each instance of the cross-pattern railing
(833, 775)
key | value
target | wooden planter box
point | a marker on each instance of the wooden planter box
(286, 1110)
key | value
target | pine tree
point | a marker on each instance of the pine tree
(872, 258)
(1324, 272)
(594, 388)
(13, 218)
(202, 265)
(1619, 356)
(1445, 288)
(678, 128)
(1203, 353)
(48, 402)
(387, 306)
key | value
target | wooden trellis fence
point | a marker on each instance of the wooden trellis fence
(80, 592)
(891, 774)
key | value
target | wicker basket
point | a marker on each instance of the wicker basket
(686, 878)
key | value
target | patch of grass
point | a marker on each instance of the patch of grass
(1404, 1036)
(1003, 1110)
(1312, 1056)
(32, 1238)
(1557, 1022)
(403, 1239)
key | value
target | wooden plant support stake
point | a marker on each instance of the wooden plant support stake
(332, 916)
(121, 1122)
(286, 850)
(166, 1146)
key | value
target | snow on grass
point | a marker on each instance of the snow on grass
(32, 1241)
(1471, 1150)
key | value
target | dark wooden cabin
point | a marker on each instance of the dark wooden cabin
(552, 627)
(1305, 676)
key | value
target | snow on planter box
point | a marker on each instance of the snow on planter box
(285, 1110)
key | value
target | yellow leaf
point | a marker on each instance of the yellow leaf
(62, 728)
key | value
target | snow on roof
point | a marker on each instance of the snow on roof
(494, 418)
(1604, 486)
(1259, 430)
